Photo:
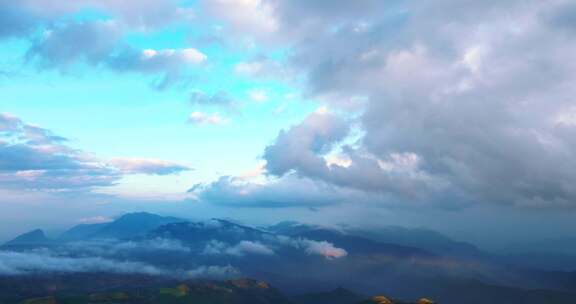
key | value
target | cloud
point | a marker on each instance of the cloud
(262, 67)
(22, 263)
(214, 272)
(95, 220)
(15, 263)
(147, 166)
(298, 147)
(15, 22)
(65, 45)
(241, 249)
(313, 247)
(157, 244)
(258, 95)
(290, 191)
(307, 149)
(272, 242)
(34, 158)
(253, 16)
(22, 16)
(170, 63)
(99, 43)
(200, 118)
(325, 249)
(218, 99)
(466, 105)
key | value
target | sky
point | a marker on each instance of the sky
(453, 115)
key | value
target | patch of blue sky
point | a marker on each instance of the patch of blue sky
(114, 114)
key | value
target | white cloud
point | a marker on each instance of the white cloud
(14, 263)
(324, 249)
(95, 220)
(201, 118)
(147, 166)
(258, 95)
(241, 249)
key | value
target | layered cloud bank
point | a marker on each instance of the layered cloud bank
(34, 158)
(18, 263)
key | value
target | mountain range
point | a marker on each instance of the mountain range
(301, 260)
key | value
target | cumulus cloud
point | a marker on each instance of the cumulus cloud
(137, 14)
(63, 43)
(253, 16)
(306, 149)
(70, 43)
(100, 43)
(147, 166)
(472, 105)
(300, 147)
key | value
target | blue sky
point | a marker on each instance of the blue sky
(114, 114)
(338, 112)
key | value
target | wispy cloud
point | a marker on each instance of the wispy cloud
(201, 118)
(147, 166)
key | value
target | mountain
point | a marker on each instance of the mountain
(422, 238)
(455, 291)
(337, 296)
(81, 232)
(32, 239)
(239, 291)
(356, 244)
(215, 229)
(127, 226)
(556, 261)
(425, 239)
(297, 259)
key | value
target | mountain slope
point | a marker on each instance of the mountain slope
(32, 239)
(127, 226)
(337, 296)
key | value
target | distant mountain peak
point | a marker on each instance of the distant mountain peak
(31, 238)
(126, 226)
